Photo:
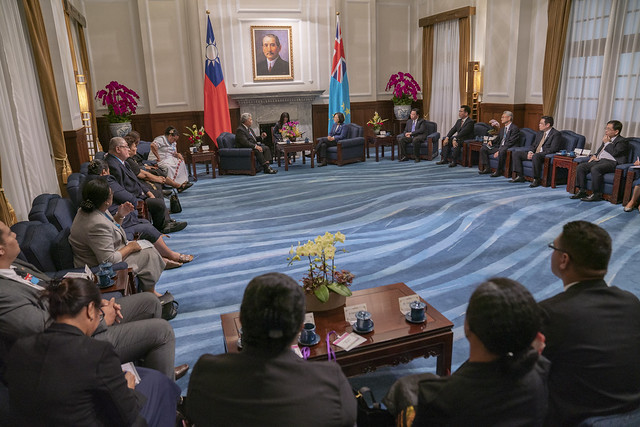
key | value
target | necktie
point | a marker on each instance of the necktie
(270, 67)
(413, 126)
(504, 138)
(252, 135)
(544, 137)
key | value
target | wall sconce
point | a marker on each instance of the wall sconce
(477, 78)
(83, 99)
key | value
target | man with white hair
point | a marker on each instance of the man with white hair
(245, 138)
(508, 137)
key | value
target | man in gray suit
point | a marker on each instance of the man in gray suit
(133, 324)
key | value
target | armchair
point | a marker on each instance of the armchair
(614, 182)
(232, 160)
(527, 138)
(480, 130)
(571, 141)
(429, 148)
(632, 177)
(75, 183)
(350, 149)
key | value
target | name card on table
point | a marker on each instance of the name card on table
(348, 341)
(350, 312)
(308, 318)
(406, 301)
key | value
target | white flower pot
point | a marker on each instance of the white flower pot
(120, 129)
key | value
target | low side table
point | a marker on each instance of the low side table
(567, 163)
(295, 147)
(383, 141)
(204, 157)
(474, 147)
(123, 284)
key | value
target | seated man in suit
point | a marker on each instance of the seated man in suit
(415, 132)
(592, 331)
(133, 324)
(121, 171)
(547, 141)
(267, 383)
(245, 138)
(612, 152)
(508, 137)
(338, 132)
(460, 132)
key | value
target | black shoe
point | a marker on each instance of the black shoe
(441, 162)
(495, 174)
(595, 197)
(453, 164)
(180, 371)
(174, 226)
(535, 183)
(517, 179)
(322, 164)
(417, 160)
(167, 193)
(268, 170)
(579, 195)
(403, 159)
(485, 171)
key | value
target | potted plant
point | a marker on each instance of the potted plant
(121, 103)
(290, 131)
(325, 287)
(405, 90)
(376, 123)
(195, 136)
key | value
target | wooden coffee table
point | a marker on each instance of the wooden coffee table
(204, 157)
(393, 341)
(295, 147)
(123, 284)
(382, 141)
(565, 162)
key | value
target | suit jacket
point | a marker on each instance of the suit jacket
(61, 377)
(465, 131)
(513, 138)
(126, 178)
(338, 131)
(619, 149)
(280, 68)
(246, 139)
(551, 144)
(250, 389)
(593, 341)
(421, 127)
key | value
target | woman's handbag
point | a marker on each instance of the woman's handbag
(374, 415)
(174, 203)
(169, 306)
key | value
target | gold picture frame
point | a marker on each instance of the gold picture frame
(271, 52)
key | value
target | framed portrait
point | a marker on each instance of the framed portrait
(271, 53)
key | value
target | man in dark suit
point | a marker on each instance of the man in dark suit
(245, 138)
(452, 143)
(592, 331)
(415, 132)
(133, 324)
(273, 65)
(547, 141)
(612, 152)
(121, 171)
(267, 383)
(508, 137)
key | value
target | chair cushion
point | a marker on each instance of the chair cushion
(75, 183)
(20, 228)
(62, 253)
(144, 147)
(39, 207)
(60, 212)
(226, 140)
(37, 245)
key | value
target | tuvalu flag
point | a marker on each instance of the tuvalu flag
(216, 105)
(339, 84)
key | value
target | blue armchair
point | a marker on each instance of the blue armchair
(234, 160)
(75, 182)
(39, 207)
(429, 148)
(350, 149)
(571, 141)
(527, 138)
(480, 130)
(614, 181)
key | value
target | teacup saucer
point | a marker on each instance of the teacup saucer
(361, 331)
(113, 282)
(313, 342)
(410, 320)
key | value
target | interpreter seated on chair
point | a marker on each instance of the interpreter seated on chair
(415, 133)
(338, 132)
(165, 151)
(64, 377)
(452, 144)
(547, 141)
(504, 380)
(245, 138)
(267, 384)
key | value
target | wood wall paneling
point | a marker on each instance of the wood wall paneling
(524, 115)
(76, 145)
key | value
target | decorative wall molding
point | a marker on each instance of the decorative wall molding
(276, 98)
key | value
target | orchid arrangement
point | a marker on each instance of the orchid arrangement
(290, 130)
(120, 101)
(376, 122)
(322, 276)
(405, 88)
(495, 127)
(195, 135)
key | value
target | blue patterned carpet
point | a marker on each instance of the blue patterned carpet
(441, 231)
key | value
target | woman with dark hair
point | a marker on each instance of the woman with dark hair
(338, 132)
(63, 377)
(131, 223)
(504, 381)
(163, 149)
(97, 236)
(284, 118)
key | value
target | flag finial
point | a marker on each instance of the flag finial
(208, 12)
(337, 13)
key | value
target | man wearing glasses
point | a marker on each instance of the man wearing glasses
(592, 331)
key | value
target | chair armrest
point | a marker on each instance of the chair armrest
(235, 152)
(581, 159)
(60, 274)
(520, 149)
(435, 135)
(353, 142)
(624, 167)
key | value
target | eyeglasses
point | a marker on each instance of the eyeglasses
(552, 246)
(101, 314)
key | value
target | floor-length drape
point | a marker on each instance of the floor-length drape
(445, 93)
(464, 53)
(427, 69)
(7, 214)
(558, 12)
(27, 163)
(40, 47)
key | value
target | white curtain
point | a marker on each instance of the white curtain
(445, 96)
(601, 68)
(27, 162)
